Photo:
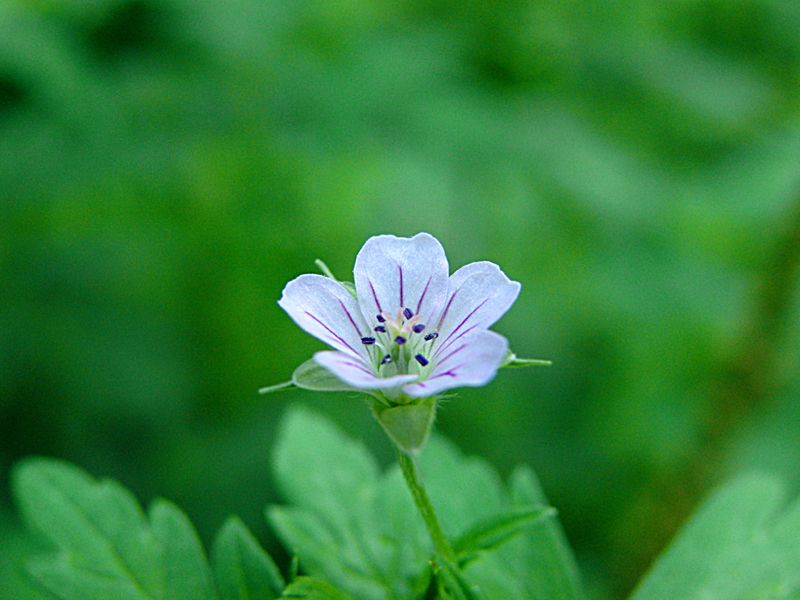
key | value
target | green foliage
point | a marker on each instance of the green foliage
(106, 547)
(357, 527)
(241, 567)
(167, 165)
(358, 536)
(743, 544)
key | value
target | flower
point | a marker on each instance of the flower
(412, 328)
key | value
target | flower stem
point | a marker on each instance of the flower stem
(442, 547)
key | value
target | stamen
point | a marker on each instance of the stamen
(407, 313)
(380, 329)
(431, 336)
(381, 318)
(400, 340)
(421, 360)
(418, 328)
(386, 359)
(367, 341)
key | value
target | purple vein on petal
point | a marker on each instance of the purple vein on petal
(448, 373)
(449, 342)
(454, 352)
(467, 318)
(374, 295)
(357, 366)
(424, 291)
(333, 333)
(400, 271)
(350, 317)
(446, 308)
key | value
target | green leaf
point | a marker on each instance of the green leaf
(512, 361)
(358, 528)
(311, 376)
(538, 563)
(495, 531)
(743, 543)
(107, 548)
(241, 567)
(310, 588)
(187, 574)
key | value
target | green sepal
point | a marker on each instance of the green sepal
(512, 361)
(311, 376)
(328, 273)
(311, 588)
(286, 385)
(409, 425)
(497, 530)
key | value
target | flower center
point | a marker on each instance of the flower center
(400, 345)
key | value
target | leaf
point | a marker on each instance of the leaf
(311, 376)
(187, 574)
(313, 589)
(358, 528)
(537, 564)
(241, 567)
(743, 543)
(105, 547)
(495, 531)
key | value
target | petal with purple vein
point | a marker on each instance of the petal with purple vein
(327, 311)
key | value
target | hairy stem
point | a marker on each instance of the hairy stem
(410, 470)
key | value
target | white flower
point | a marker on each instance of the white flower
(413, 329)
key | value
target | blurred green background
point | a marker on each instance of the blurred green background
(167, 165)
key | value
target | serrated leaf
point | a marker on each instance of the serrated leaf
(98, 528)
(310, 588)
(243, 570)
(105, 546)
(358, 528)
(742, 543)
(187, 574)
(311, 376)
(496, 530)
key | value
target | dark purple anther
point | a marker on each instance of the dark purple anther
(431, 336)
(400, 340)
(367, 341)
(421, 360)
(386, 359)
(380, 319)
(418, 328)
(407, 313)
(380, 329)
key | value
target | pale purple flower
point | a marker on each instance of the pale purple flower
(413, 328)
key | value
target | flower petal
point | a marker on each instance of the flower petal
(393, 272)
(356, 373)
(479, 294)
(472, 362)
(327, 311)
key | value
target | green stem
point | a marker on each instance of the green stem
(411, 473)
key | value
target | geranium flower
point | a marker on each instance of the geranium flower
(412, 329)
